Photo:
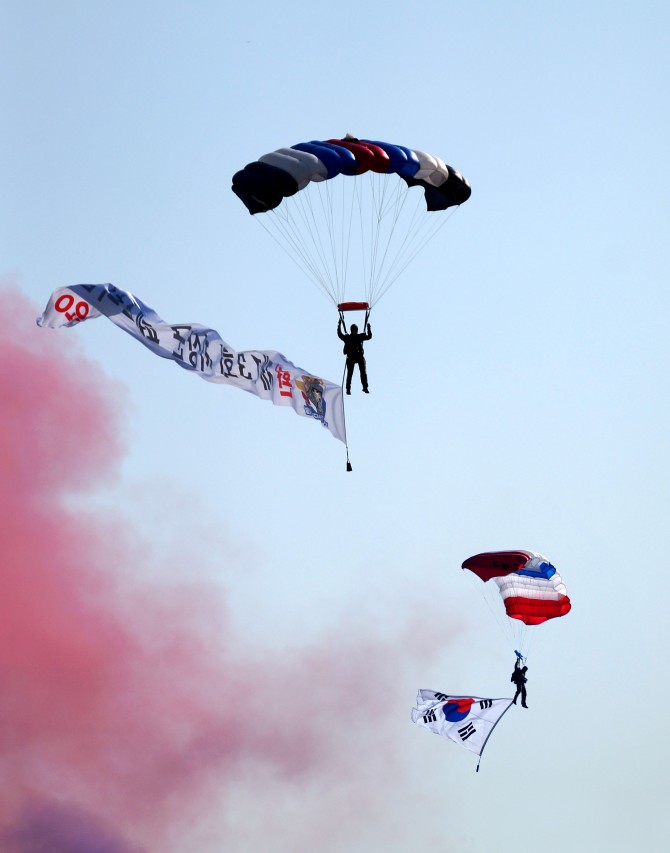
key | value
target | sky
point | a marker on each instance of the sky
(213, 634)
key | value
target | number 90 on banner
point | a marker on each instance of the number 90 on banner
(64, 305)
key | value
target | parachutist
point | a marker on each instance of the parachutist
(519, 678)
(353, 349)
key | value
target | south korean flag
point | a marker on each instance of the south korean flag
(467, 720)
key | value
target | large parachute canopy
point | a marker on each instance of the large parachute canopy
(341, 208)
(531, 589)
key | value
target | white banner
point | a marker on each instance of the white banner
(467, 720)
(267, 374)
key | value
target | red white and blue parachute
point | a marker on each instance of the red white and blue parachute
(340, 208)
(531, 588)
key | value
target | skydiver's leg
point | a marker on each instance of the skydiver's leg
(350, 369)
(523, 696)
(364, 373)
(516, 695)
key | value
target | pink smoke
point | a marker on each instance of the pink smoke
(122, 718)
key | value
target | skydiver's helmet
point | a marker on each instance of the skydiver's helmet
(354, 328)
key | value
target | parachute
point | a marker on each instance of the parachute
(341, 208)
(531, 589)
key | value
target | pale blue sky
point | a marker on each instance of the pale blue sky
(518, 370)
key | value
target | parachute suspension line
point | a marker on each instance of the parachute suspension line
(297, 226)
(347, 226)
(320, 197)
(337, 202)
(530, 633)
(318, 201)
(520, 640)
(364, 233)
(391, 208)
(493, 604)
(527, 635)
(280, 226)
(321, 250)
(379, 187)
(402, 229)
(316, 229)
(369, 232)
(316, 225)
(371, 189)
(388, 203)
(419, 237)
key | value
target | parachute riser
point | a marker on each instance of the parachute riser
(343, 322)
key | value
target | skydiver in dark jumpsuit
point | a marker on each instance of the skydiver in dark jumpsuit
(519, 678)
(353, 349)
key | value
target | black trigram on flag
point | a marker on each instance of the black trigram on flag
(429, 717)
(466, 731)
(486, 703)
(441, 697)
